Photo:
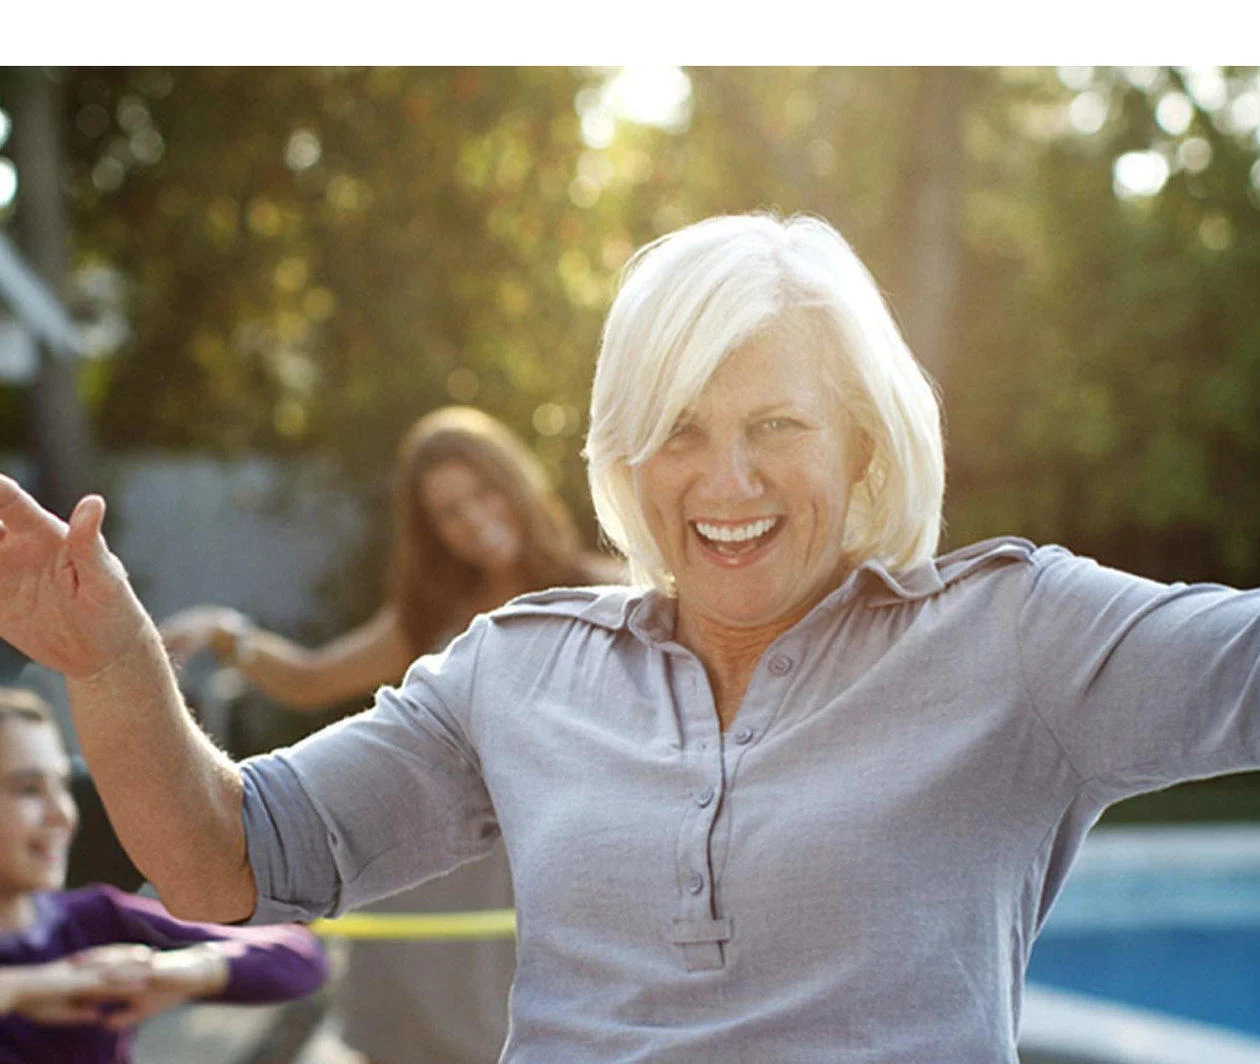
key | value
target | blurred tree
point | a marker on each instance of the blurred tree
(316, 256)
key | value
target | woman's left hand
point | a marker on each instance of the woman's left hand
(64, 598)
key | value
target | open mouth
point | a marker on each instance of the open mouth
(737, 539)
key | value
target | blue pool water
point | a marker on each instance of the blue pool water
(1208, 975)
(1183, 940)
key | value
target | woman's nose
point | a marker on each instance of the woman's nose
(733, 471)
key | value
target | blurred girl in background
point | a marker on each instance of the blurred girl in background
(476, 524)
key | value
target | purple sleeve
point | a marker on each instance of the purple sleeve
(265, 964)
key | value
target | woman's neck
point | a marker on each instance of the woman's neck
(497, 586)
(17, 911)
(729, 654)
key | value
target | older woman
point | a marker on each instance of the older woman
(807, 795)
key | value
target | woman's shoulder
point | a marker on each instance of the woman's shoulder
(606, 606)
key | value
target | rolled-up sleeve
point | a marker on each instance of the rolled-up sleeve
(1143, 684)
(372, 804)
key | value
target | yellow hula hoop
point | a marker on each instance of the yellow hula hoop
(481, 923)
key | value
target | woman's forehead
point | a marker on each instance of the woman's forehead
(768, 371)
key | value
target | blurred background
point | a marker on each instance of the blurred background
(262, 276)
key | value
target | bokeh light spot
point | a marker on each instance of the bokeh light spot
(1207, 86)
(1174, 113)
(264, 218)
(303, 150)
(108, 174)
(8, 182)
(291, 273)
(1244, 112)
(1143, 77)
(289, 419)
(133, 116)
(549, 419)
(1138, 174)
(599, 127)
(1088, 112)
(147, 146)
(1076, 78)
(319, 304)
(1216, 231)
(651, 96)
(1194, 154)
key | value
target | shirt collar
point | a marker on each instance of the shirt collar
(650, 615)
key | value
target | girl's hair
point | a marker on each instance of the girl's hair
(17, 703)
(427, 580)
(689, 299)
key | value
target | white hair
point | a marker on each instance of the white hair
(690, 298)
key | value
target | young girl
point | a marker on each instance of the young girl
(79, 969)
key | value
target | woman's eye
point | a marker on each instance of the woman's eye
(682, 428)
(778, 424)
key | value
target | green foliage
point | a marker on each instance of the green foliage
(317, 256)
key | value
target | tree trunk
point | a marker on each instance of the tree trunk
(65, 457)
(929, 222)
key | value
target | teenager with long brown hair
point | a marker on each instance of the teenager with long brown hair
(476, 523)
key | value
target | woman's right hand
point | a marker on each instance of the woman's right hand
(64, 598)
(199, 628)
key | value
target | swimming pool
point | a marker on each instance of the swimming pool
(1164, 919)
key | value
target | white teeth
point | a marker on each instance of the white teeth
(736, 533)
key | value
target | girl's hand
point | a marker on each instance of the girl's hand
(199, 628)
(178, 976)
(74, 990)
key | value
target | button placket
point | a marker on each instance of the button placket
(694, 931)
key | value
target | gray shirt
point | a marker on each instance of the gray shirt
(854, 871)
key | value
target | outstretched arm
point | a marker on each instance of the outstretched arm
(174, 800)
(66, 991)
(302, 679)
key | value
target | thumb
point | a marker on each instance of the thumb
(84, 534)
(85, 545)
(88, 558)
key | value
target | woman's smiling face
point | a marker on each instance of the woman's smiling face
(747, 498)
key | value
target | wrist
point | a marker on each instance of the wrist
(197, 971)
